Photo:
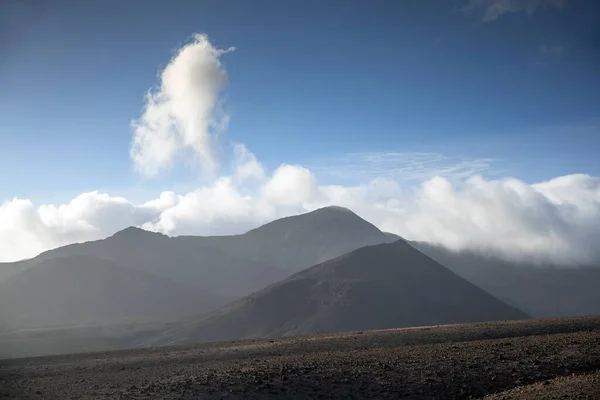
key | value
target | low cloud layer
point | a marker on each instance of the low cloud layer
(556, 221)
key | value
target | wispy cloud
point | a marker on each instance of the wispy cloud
(552, 52)
(409, 166)
(494, 9)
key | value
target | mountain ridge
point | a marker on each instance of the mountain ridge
(299, 241)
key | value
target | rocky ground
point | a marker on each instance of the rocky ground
(575, 386)
(538, 359)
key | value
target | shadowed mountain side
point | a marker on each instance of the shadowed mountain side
(375, 287)
(298, 242)
(84, 290)
(204, 267)
(539, 290)
(11, 268)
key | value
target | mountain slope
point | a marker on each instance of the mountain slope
(205, 267)
(11, 268)
(83, 290)
(298, 242)
(382, 286)
(539, 290)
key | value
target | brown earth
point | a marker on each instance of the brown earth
(538, 359)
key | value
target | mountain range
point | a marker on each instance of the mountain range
(79, 283)
(322, 271)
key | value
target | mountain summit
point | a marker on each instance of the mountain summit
(300, 241)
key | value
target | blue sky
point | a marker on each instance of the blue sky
(310, 82)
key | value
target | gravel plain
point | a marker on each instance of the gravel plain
(537, 359)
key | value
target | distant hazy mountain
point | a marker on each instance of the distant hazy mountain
(83, 290)
(76, 339)
(539, 290)
(382, 286)
(298, 242)
(11, 268)
(205, 267)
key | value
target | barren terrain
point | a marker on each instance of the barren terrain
(542, 359)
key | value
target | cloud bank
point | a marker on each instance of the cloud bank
(556, 221)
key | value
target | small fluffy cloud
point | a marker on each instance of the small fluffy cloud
(290, 185)
(182, 113)
(494, 9)
(556, 221)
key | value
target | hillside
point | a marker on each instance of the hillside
(84, 290)
(194, 264)
(375, 287)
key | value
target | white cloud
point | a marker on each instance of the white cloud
(182, 113)
(557, 220)
(290, 185)
(27, 231)
(511, 218)
(247, 167)
(494, 9)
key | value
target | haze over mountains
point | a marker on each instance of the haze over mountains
(192, 263)
(540, 290)
(84, 290)
(324, 271)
